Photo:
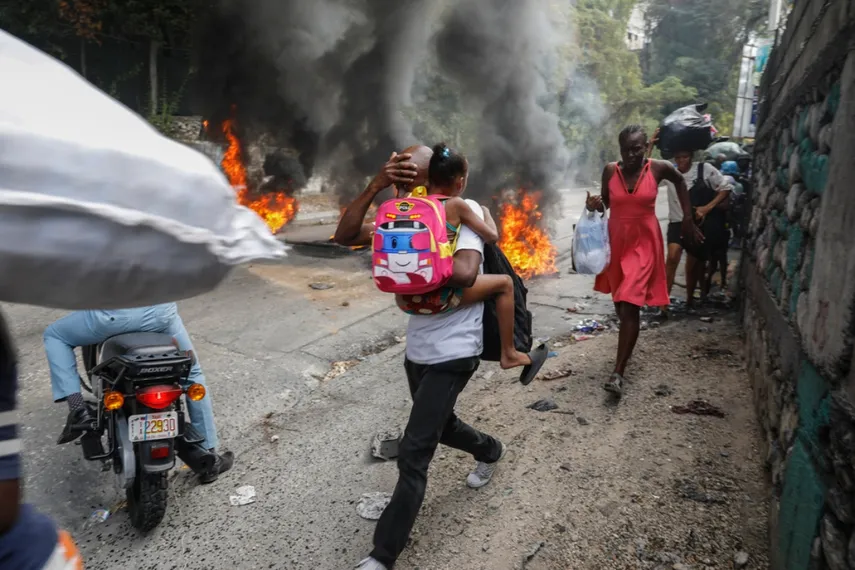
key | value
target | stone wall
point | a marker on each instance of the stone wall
(798, 273)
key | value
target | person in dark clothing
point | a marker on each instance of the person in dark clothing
(29, 540)
(443, 352)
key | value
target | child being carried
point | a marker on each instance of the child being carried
(447, 178)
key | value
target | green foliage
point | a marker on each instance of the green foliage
(600, 29)
(700, 43)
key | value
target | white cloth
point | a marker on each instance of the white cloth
(712, 176)
(432, 339)
(97, 209)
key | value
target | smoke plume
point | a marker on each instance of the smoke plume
(332, 79)
(494, 50)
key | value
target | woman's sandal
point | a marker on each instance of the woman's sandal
(615, 385)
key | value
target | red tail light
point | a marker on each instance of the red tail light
(158, 397)
(160, 451)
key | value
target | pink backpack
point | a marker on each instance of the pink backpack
(412, 254)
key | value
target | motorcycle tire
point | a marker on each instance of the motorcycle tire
(147, 500)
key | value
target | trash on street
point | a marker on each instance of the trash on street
(385, 444)
(245, 495)
(372, 505)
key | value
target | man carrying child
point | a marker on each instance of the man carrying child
(442, 354)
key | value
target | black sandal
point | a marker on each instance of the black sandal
(538, 358)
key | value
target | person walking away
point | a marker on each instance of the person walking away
(707, 189)
(442, 354)
(735, 174)
(82, 328)
(448, 173)
(636, 274)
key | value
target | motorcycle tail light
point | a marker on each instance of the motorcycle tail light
(158, 397)
(113, 400)
(159, 451)
(195, 392)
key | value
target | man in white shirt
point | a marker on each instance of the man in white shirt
(443, 352)
(713, 179)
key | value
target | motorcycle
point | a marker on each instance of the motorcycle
(137, 379)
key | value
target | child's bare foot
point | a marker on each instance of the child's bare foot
(514, 360)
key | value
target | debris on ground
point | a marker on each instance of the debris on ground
(590, 326)
(581, 337)
(274, 438)
(245, 495)
(662, 390)
(372, 505)
(557, 374)
(582, 421)
(690, 490)
(385, 444)
(699, 408)
(713, 351)
(740, 560)
(552, 354)
(706, 319)
(321, 286)
(532, 553)
(338, 368)
(545, 405)
(97, 517)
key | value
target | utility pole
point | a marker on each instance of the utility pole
(774, 15)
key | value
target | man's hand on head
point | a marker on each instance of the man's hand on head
(398, 170)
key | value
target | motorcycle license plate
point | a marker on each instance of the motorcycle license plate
(146, 427)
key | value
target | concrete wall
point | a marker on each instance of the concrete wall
(798, 272)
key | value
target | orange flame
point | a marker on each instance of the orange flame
(275, 208)
(524, 241)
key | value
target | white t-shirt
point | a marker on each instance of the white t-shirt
(432, 339)
(712, 176)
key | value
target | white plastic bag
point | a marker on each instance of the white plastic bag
(97, 209)
(591, 251)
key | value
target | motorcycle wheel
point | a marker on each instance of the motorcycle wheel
(147, 500)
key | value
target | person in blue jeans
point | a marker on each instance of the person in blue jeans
(83, 328)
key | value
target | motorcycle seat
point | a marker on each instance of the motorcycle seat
(145, 344)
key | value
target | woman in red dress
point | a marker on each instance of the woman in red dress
(636, 274)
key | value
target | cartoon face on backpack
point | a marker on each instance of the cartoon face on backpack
(411, 250)
(402, 251)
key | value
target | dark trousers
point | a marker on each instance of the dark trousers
(434, 388)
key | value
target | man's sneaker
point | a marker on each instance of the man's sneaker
(222, 463)
(370, 564)
(484, 471)
(78, 422)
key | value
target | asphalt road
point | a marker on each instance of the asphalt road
(266, 341)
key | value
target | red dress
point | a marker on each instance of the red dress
(636, 273)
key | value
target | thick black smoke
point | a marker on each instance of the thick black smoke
(331, 79)
(494, 50)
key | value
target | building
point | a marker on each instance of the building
(635, 37)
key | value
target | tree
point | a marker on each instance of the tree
(36, 22)
(700, 42)
(161, 23)
(606, 89)
(86, 18)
